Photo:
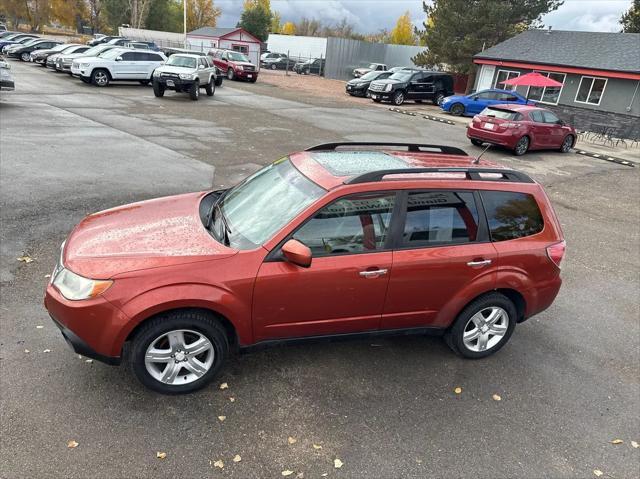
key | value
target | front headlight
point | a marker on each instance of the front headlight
(388, 87)
(85, 65)
(186, 76)
(156, 73)
(75, 287)
(240, 67)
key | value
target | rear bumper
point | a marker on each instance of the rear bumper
(507, 139)
(7, 85)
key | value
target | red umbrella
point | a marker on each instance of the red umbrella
(532, 79)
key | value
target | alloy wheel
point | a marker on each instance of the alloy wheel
(485, 329)
(101, 78)
(25, 57)
(398, 99)
(179, 357)
(522, 146)
(566, 144)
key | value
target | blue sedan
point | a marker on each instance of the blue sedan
(473, 104)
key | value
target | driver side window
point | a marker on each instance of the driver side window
(354, 224)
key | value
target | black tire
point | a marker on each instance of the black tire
(418, 101)
(377, 100)
(476, 142)
(522, 146)
(191, 320)
(100, 77)
(437, 99)
(194, 91)
(567, 144)
(457, 109)
(274, 66)
(219, 80)
(144, 82)
(210, 88)
(85, 79)
(230, 74)
(158, 89)
(398, 98)
(454, 337)
(25, 56)
(253, 80)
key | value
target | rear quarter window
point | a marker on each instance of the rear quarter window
(511, 215)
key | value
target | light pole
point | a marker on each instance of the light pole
(184, 20)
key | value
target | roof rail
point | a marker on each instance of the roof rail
(412, 147)
(470, 173)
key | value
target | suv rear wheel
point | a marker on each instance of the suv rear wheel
(178, 352)
(398, 98)
(483, 327)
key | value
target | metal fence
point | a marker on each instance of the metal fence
(344, 55)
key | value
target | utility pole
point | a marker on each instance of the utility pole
(184, 19)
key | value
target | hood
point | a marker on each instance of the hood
(454, 98)
(71, 56)
(357, 81)
(175, 69)
(149, 234)
(244, 64)
(362, 70)
(386, 81)
(41, 53)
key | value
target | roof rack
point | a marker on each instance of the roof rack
(470, 173)
(412, 147)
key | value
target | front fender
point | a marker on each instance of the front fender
(186, 295)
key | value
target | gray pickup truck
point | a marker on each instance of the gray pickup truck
(184, 72)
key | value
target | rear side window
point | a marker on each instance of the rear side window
(501, 114)
(536, 116)
(440, 217)
(511, 215)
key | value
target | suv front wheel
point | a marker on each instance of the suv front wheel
(100, 77)
(194, 91)
(178, 352)
(483, 327)
(398, 98)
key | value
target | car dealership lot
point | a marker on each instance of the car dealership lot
(568, 379)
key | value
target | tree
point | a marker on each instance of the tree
(403, 34)
(455, 30)
(276, 23)
(165, 15)
(256, 19)
(308, 28)
(201, 13)
(37, 13)
(94, 13)
(115, 13)
(15, 10)
(288, 28)
(68, 12)
(630, 20)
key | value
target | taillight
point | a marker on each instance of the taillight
(512, 125)
(555, 252)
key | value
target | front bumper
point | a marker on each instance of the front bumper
(92, 327)
(381, 95)
(246, 75)
(174, 83)
(7, 85)
(351, 90)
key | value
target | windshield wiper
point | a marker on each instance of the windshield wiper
(227, 230)
(212, 208)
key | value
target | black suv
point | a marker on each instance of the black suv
(412, 84)
(310, 66)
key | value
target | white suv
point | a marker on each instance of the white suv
(118, 64)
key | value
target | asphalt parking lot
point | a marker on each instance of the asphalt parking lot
(568, 379)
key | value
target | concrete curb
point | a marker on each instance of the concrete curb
(426, 117)
(609, 158)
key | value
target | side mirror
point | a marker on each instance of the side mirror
(200, 67)
(560, 122)
(118, 59)
(297, 253)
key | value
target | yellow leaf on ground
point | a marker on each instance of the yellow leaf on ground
(287, 473)
(222, 418)
(224, 386)
(25, 258)
(496, 397)
(635, 444)
(617, 441)
(72, 444)
(232, 399)
(219, 464)
(337, 463)
(317, 446)
(27, 351)
(88, 360)
(161, 455)
(237, 458)
(457, 390)
(46, 351)
(39, 326)
(291, 440)
(597, 472)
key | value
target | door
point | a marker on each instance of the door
(556, 130)
(480, 101)
(442, 259)
(343, 290)
(220, 60)
(542, 132)
(127, 67)
(417, 87)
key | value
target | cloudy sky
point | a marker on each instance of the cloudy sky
(374, 15)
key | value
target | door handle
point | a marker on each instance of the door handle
(373, 274)
(483, 262)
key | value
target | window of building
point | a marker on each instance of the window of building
(511, 215)
(505, 75)
(240, 48)
(548, 94)
(590, 90)
(440, 217)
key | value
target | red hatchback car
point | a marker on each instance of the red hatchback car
(521, 128)
(337, 240)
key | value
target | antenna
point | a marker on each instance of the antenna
(477, 160)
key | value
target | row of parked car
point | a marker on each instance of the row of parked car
(500, 117)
